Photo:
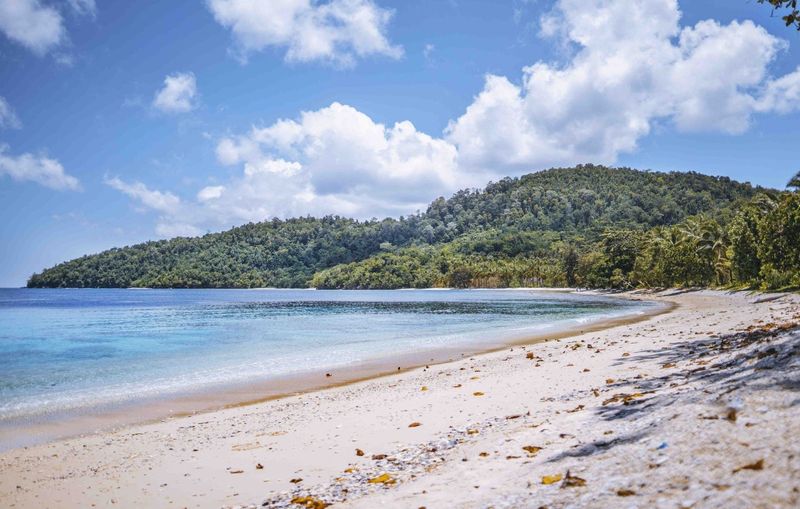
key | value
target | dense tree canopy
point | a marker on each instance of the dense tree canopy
(567, 226)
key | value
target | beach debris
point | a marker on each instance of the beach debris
(529, 355)
(609, 381)
(576, 409)
(259, 466)
(424, 388)
(532, 450)
(756, 465)
(456, 386)
(483, 454)
(310, 502)
(415, 424)
(296, 480)
(236, 471)
(551, 479)
(626, 354)
(572, 481)
(383, 479)
(328, 375)
(731, 415)
(668, 365)
(515, 416)
(662, 446)
(377, 457)
(626, 399)
(359, 452)
(624, 492)
(477, 393)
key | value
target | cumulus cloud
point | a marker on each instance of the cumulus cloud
(631, 66)
(38, 27)
(337, 31)
(36, 168)
(178, 94)
(8, 119)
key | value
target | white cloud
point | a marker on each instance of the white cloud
(84, 7)
(178, 94)
(8, 119)
(37, 27)
(631, 66)
(337, 31)
(210, 193)
(627, 72)
(314, 165)
(156, 200)
(36, 168)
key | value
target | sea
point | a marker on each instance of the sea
(71, 353)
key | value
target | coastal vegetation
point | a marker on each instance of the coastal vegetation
(588, 226)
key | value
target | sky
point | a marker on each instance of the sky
(122, 121)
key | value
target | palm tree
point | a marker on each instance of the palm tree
(795, 182)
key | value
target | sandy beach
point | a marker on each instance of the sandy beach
(696, 407)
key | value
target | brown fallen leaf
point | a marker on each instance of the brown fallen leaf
(383, 479)
(531, 449)
(359, 452)
(236, 471)
(424, 388)
(757, 465)
(515, 416)
(571, 481)
(512, 457)
(731, 415)
(626, 354)
(378, 456)
(415, 424)
(624, 492)
(483, 454)
(609, 380)
(472, 432)
(668, 365)
(576, 409)
(296, 480)
(551, 479)
(474, 378)
(478, 393)
(310, 502)
(456, 386)
(259, 466)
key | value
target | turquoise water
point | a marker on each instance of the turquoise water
(75, 350)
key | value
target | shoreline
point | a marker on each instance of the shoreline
(625, 408)
(119, 416)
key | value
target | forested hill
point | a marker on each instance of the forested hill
(537, 217)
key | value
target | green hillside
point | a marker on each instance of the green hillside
(554, 227)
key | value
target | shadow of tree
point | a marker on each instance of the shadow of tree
(758, 358)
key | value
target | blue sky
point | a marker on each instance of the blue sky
(127, 121)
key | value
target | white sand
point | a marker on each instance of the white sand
(672, 447)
